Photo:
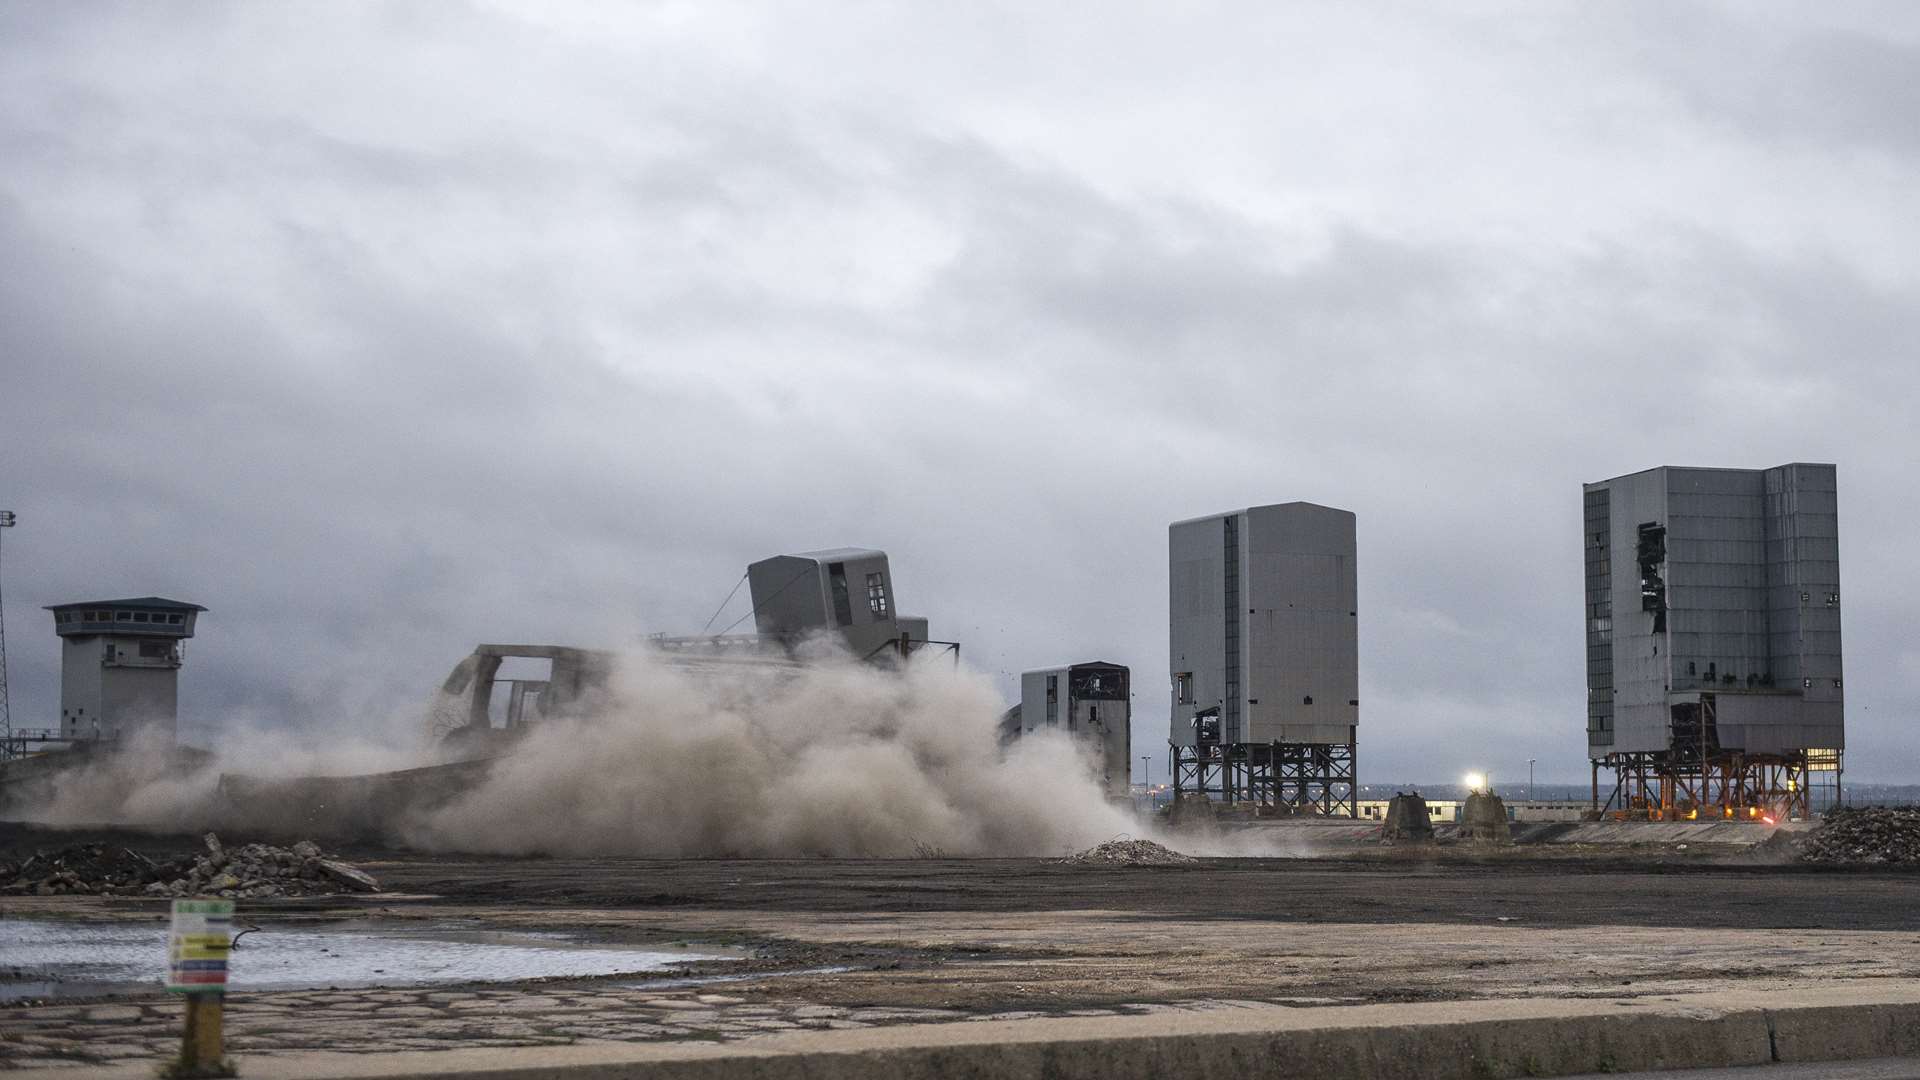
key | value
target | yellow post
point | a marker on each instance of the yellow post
(203, 1045)
(197, 948)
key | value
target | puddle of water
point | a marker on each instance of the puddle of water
(707, 980)
(43, 959)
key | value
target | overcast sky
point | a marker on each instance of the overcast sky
(382, 330)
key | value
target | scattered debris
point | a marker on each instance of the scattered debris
(248, 872)
(1870, 835)
(1125, 851)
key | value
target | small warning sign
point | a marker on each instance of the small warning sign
(197, 948)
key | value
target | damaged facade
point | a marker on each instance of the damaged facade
(1714, 683)
(1091, 704)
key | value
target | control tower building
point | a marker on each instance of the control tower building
(120, 666)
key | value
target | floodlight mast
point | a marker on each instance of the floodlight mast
(6, 712)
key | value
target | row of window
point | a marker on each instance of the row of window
(100, 615)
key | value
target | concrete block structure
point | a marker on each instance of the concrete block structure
(1264, 657)
(1090, 702)
(847, 590)
(1714, 683)
(120, 666)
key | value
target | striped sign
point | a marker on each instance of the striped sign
(197, 947)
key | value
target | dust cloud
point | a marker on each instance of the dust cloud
(829, 758)
(149, 782)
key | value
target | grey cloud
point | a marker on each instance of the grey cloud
(376, 384)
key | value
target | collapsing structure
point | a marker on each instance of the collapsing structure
(1264, 658)
(848, 591)
(1713, 641)
(844, 593)
(1090, 703)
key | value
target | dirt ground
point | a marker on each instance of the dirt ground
(1707, 890)
(853, 942)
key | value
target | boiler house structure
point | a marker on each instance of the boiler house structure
(1264, 658)
(1714, 682)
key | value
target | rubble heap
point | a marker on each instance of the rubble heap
(247, 872)
(1122, 851)
(1871, 835)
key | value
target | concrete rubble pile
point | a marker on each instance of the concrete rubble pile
(248, 872)
(1127, 852)
(1871, 835)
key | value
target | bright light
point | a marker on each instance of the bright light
(1476, 781)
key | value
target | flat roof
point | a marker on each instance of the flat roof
(1262, 506)
(845, 554)
(160, 602)
(1711, 468)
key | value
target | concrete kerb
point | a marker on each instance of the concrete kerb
(1440, 1040)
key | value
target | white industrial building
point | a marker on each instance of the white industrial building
(1714, 678)
(1264, 656)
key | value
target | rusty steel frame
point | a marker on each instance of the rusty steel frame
(1270, 778)
(1725, 786)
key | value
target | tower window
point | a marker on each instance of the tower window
(1183, 688)
(877, 595)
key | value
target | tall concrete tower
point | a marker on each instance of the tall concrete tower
(1264, 657)
(120, 666)
(1713, 640)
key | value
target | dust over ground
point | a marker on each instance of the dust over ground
(1449, 886)
(830, 757)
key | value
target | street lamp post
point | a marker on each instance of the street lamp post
(1530, 779)
(1146, 771)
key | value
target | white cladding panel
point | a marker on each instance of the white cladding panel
(1302, 624)
(109, 690)
(80, 713)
